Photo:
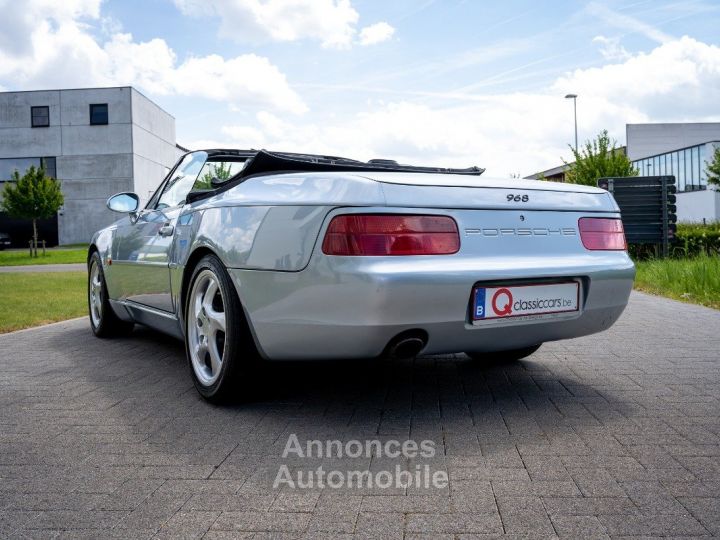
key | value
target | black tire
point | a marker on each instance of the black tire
(500, 357)
(103, 320)
(234, 346)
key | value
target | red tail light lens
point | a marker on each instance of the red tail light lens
(383, 234)
(602, 234)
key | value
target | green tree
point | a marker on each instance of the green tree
(33, 195)
(220, 171)
(598, 158)
(713, 168)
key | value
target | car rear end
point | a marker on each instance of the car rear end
(455, 265)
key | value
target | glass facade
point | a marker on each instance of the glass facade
(687, 165)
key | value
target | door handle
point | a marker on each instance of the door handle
(166, 230)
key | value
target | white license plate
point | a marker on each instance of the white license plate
(533, 301)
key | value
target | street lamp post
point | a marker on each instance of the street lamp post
(574, 98)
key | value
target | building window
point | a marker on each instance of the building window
(40, 116)
(98, 114)
(50, 165)
(681, 171)
(673, 164)
(685, 164)
(9, 165)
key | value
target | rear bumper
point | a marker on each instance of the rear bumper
(347, 307)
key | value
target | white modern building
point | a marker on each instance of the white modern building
(95, 141)
(681, 150)
(678, 149)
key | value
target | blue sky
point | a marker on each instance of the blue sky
(454, 82)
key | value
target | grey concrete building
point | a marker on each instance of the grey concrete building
(96, 141)
(678, 149)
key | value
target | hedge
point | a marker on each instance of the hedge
(693, 239)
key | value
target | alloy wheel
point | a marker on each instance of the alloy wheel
(95, 292)
(206, 327)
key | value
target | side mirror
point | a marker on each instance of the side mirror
(126, 203)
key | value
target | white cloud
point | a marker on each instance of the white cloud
(62, 52)
(678, 80)
(493, 134)
(611, 49)
(332, 22)
(508, 133)
(19, 19)
(247, 79)
(376, 33)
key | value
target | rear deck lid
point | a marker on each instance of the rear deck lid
(453, 191)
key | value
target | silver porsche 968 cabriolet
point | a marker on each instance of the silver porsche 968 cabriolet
(249, 255)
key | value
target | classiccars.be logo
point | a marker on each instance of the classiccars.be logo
(503, 304)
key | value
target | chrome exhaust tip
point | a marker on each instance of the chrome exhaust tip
(406, 345)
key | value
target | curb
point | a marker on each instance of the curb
(41, 326)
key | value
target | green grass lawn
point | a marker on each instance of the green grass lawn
(695, 280)
(31, 299)
(52, 256)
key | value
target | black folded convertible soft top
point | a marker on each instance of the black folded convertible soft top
(265, 162)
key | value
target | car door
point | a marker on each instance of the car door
(143, 246)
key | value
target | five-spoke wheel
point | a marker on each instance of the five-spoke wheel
(95, 292)
(219, 347)
(103, 320)
(206, 327)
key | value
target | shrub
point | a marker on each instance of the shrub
(693, 239)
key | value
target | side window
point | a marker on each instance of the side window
(220, 171)
(178, 186)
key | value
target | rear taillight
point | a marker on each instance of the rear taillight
(396, 234)
(602, 234)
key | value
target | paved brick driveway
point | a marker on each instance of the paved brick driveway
(616, 434)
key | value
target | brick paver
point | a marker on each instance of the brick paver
(612, 435)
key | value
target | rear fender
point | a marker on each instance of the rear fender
(253, 237)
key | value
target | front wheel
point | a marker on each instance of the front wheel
(103, 321)
(503, 356)
(218, 344)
